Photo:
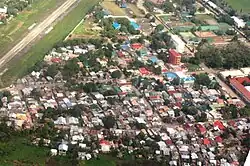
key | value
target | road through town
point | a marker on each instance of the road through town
(34, 33)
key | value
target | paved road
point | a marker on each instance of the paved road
(36, 31)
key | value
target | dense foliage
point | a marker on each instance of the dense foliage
(235, 55)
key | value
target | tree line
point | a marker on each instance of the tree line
(235, 55)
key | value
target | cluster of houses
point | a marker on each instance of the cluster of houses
(153, 109)
(144, 103)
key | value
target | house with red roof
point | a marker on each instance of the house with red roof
(237, 85)
(219, 124)
(201, 128)
(136, 46)
(206, 141)
(174, 57)
(56, 60)
(218, 139)
(144, 71)
(105, 145)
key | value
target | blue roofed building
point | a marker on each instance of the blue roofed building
(143, 52)
(125, 46)
(116, 25)
(153, 59)
(135, 25)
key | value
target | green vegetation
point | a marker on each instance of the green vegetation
(240, 5)
(113, 8)
(18, 26)
(19, 67)
(101, 161)
(235, 55)
(19, 152)
(85, 29)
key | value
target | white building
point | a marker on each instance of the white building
(4, 10)
(238, 22)
(178, 43)
(232, 73)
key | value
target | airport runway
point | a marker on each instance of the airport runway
(36, 31)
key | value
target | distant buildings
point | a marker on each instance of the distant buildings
(178, 43)
(239, 81)
(174, 57)
(239, 22)
(3, 10)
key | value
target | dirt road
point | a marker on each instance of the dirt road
(40, 28)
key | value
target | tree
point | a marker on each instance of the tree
(157, 70)
(52, 70)
(116, 74)
(189, 110)
(159, 28)
(226, 19)
(230, 32)
(201, 9)
(109, 122)
(202, 79)
(71, 68)
(168, 7)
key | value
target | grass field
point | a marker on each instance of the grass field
(239, 5)
(102, 161)
(22, 154)
(113, 8)
(18, 26)
(135, 9)
(85, 29)
(19, 66)
(206, 18)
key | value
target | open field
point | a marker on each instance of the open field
(19, 65)
(85, 28)
(20, 153)
(206, 18)
(239, 5)
(102, 161)
(135, 10)
(11, 33)
(113, 8)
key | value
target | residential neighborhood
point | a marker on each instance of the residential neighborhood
(146, 83)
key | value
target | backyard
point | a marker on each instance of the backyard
(19, 66)
(135, 10)
(11, 33)
(86, 30)
(239, 5)
(113, 8)
(209, 19)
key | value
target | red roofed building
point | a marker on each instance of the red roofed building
(201, 128)
(120, 53)
(56, 60)
(218, 139)
(136, 46)
(105, 145)
(174, 57)
(232, 123)
(236, 84)
(169, 142)
(206, 141)
(143, 71)
(219, 124)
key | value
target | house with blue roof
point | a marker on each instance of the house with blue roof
(153, 59)
(116, 25)
(135, 25)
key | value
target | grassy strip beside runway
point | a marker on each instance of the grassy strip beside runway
(19, 66)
